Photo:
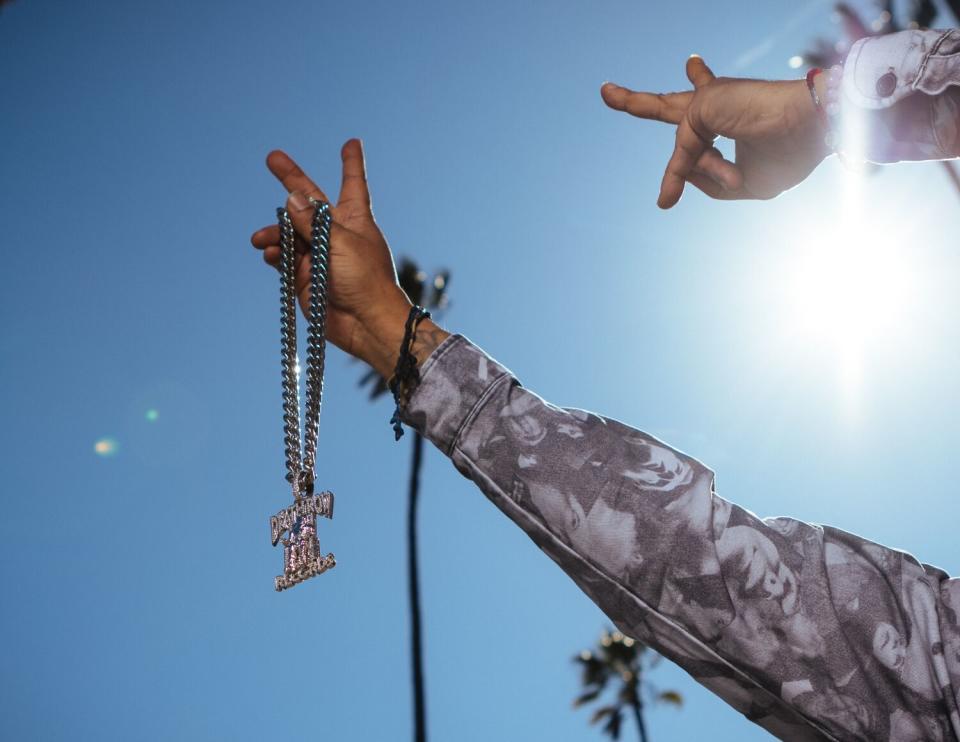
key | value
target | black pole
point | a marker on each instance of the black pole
(638, 713)
(416, 648)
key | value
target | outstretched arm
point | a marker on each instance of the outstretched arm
(811, 632)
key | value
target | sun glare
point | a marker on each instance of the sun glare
(852, 292)
(853, 286)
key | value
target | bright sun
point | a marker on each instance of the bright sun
(851, 293)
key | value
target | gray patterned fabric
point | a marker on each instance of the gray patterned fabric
(810, 632)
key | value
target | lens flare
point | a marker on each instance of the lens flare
(152, 416)
(106, 447)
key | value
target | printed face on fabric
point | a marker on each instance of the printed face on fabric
(600, 524)
(659, 468)
(587, 512)
(951, 637)
(889, 647)
(787, 621)
(762, 576)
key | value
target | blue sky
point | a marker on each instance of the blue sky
(139, 600)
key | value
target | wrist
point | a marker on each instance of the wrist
(383, 336)
(809, 121)
(820, 86)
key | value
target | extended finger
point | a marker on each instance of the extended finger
(266, 236)
(666, 107)
(687, 151)
(697, 71)
(270, 235)
(354, 192)
(293, 178)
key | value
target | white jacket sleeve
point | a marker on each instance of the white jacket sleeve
(900, 97)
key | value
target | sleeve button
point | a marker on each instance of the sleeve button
(886, 85)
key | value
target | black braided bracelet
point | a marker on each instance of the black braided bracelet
(406, 375)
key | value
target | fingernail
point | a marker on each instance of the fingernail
(694, 56)
(298, 201)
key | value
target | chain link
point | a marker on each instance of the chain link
(301, 460)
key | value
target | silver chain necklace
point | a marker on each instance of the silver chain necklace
(301, 548)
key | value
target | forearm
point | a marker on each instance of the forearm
(763, 613)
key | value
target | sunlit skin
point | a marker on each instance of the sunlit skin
(778, 133)
(366, 307)
(778, 140)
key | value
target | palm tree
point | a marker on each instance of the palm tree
(414, 282)
(922, 14)
(618, 657)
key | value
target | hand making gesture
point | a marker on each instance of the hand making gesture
(778, 134)
(366, 306)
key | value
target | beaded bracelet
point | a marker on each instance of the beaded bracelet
(832, 104)
(406, 375)
(814, 95)
(829, 106)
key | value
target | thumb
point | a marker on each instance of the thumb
(697, 71)
(354, 194)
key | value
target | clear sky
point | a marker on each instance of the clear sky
(138, 600)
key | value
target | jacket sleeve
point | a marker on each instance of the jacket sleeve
(900, 98)
(809, 631)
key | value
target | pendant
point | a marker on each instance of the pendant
(301, 549)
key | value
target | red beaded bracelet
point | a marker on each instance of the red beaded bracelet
(815, 96)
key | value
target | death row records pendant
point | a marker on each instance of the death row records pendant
(301, 549)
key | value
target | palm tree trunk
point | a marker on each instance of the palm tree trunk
(416, 648)
(638, 714)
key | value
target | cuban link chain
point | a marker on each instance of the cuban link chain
(301, 548)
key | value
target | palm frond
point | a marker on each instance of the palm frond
(620, 662)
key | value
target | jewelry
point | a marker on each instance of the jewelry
(832, 105)
(301, 548)
(828, 107)
(814, 95)
(406, 375)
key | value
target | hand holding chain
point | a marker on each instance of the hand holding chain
(301, 549)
